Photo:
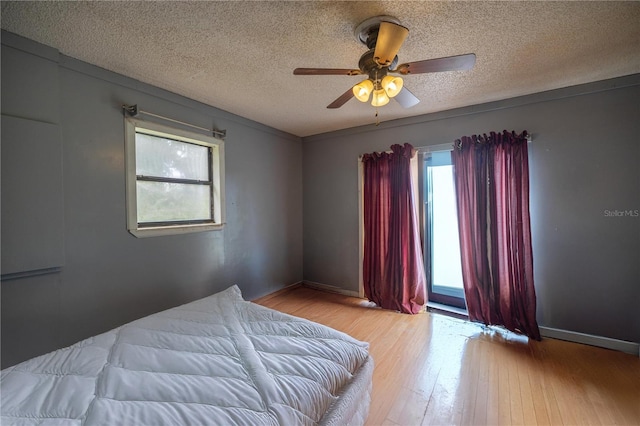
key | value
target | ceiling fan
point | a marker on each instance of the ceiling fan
(383, 36)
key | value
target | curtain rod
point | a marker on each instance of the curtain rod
(133, 111)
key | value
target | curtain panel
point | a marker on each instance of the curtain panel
(491, 176)
(393, 271)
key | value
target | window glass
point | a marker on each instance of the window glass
(156, 156)
(442, 245)
(446, 268)
(166, 202)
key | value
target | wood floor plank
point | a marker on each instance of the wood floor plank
(470, 376)
(482, 389)
(504, 407)
(537, 392)
(543, 390)
(493, 387)
(515, 391)
(526, 395)
(435, 370)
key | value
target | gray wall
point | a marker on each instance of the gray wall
(109, 277)
(584, 161)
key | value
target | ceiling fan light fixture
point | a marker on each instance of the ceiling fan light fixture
(384, 35)
(362, 90)
(380, 98)
(392, 85)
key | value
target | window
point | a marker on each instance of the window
(442, 244)
(175, 180)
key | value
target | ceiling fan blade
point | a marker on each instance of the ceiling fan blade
(406, 99)
(390, 38)
(342, 99)
(325, 71)
(451, 63)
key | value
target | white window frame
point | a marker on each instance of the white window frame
(133, 125)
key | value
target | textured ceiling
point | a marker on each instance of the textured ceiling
(239, 56)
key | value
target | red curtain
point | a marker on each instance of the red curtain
(492, 193)
(393, 271)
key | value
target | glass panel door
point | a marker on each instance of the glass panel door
(442, 246)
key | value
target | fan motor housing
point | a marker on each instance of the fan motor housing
(370, 67)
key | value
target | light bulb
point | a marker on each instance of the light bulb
(380, 98)
(362, 90)
(392, 85)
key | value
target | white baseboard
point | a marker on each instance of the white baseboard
(590, 339)
(330, 288)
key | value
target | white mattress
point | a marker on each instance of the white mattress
(216, 361)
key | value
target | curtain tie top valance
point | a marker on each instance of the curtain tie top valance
(407, 150)
(492, 139)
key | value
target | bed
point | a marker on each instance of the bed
(217, 361)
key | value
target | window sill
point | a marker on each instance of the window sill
(452, 311)
(175, 230)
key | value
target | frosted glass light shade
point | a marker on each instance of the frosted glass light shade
(362, 90)
(392, 85)
(390, 38)
(380, 98)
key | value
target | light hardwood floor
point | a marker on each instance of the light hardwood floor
(431, 369)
